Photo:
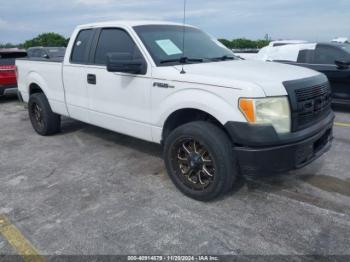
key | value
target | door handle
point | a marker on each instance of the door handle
(91, 79)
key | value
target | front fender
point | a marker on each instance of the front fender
(221, 105)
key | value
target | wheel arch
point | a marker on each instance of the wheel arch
(192, 104)
(34, 88)
(186, 115)
(36, 84)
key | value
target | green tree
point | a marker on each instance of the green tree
(46, 39)
(226, 43)
(242, 43)
(7, 45)
(262, 43)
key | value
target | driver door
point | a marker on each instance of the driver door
(118, 101)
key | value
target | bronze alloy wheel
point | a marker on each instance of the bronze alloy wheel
(199, 160)
(193, 164)
(37, 113)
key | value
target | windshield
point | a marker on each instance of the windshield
(346, 47)
(56, 52)
(165, 44)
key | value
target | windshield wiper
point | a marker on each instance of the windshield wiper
(222, 58)
(182, 60)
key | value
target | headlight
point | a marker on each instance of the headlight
(274, 111)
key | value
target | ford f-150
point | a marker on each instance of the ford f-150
(217, 116)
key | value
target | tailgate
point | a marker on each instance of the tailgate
(7, 75)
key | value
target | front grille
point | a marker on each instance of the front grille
(308, 93)
(313, 104)
(309, 104)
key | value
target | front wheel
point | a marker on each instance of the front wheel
(44, 121)
(200, 161)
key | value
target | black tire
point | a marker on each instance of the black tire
(44, 121)
(223, 164)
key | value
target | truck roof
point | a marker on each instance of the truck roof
(11, 50)
(286, 42)
(129, 23)
(333, 44)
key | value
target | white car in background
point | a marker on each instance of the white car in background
(257, 55)
(341, 40)
(284, 50)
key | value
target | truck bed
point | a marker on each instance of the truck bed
(45, 73)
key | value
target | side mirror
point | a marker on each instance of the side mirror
(342, 64)
(125, 63)
(46, 56)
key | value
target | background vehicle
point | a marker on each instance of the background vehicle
(332, 59)
(341, 40)
(248, 54)
(8, 81)
(253, 54)
(46, 52)
(215, 115)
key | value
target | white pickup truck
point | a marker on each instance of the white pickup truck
(216, 116)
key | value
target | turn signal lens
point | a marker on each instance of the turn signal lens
(248, 109)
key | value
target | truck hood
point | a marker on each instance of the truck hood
(268, 76)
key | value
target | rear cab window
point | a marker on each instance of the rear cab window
(327, 54)
(306, 56)
(346, 47)
(81, 48)
(56, 52)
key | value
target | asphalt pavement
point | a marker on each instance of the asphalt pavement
(91, 191)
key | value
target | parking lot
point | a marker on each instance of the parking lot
(91, 191)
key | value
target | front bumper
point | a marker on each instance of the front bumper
(284, 157)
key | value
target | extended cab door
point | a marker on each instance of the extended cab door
(118, 101)
(74, 76)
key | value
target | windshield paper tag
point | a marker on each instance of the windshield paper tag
(168, 47)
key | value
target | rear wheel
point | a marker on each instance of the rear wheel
(44, 121)
(200, 161)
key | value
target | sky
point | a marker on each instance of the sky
(312, 20)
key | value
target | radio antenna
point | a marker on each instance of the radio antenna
(183, 37)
